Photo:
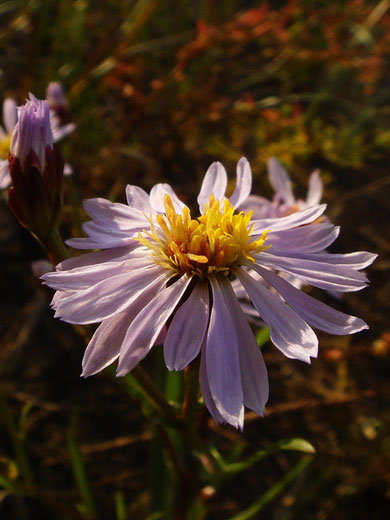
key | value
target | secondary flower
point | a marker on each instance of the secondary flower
(10, 116)
(284, 201)
(161, 268)
(36, 169)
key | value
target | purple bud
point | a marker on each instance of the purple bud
(55, 95)
(32, 131)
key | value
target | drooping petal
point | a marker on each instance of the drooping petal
(157, 197)
(105, 344)
(223, 361)
(243, 183)
(137, 198)
(280, 180)
(109, 297)
(187, 329)
(322, 274)
(144, 330)
(206, 393)
(5, 177)
(9, 114)
(288, 331)
(314, 193)
(316, 313)
(254, 377)
(214, 183)
(306, 239)
(305, 216)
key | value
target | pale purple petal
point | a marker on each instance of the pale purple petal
(214, 183)
(298, 218)
(206, 393)
(105, 344)
(223, 362)
(187, 329)
(254, 377)
(109, 297)
(138, 198)
(243, 183)
(146, 327)
(288, 331)
(59, 131)
(260, 206)
(280, 181)
(306, 239)
(98, 257)
(87, 243)
(357, 260)
(9, 114)
(5, 177)
(81, 278)
(114, 215)
(314, 193)
(157, 197)
(102, 234)
(316, 313)
(321, 274)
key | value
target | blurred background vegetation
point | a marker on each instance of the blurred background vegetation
(158, 90)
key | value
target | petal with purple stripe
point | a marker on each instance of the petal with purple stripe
(223, 361)
(254, 377)
(144, 330)
(316, 313)
(187, 329)
(289, 332)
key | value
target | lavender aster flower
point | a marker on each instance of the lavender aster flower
(10, 116)
(284, 201)
(160, 268)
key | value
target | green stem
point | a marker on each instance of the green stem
(154, 394)
(55, 247)
(19, 448)
(253, 510)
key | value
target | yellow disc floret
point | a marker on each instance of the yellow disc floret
(5, 143)
(215, 242)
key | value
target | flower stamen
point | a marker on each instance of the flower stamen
(216, 242)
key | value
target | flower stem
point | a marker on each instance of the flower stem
(19, 447)
(155, 395)
(55, 247)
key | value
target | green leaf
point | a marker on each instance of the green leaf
(228, 469)
(80, 472)
(263, 336)
(120, 506)
(253, 510)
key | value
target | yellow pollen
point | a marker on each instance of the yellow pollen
(5, 144)
(215, 242)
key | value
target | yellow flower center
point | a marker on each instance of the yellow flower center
(5, 144)
(215, 242)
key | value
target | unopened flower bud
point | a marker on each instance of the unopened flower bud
(36, 169)
(32, 131)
